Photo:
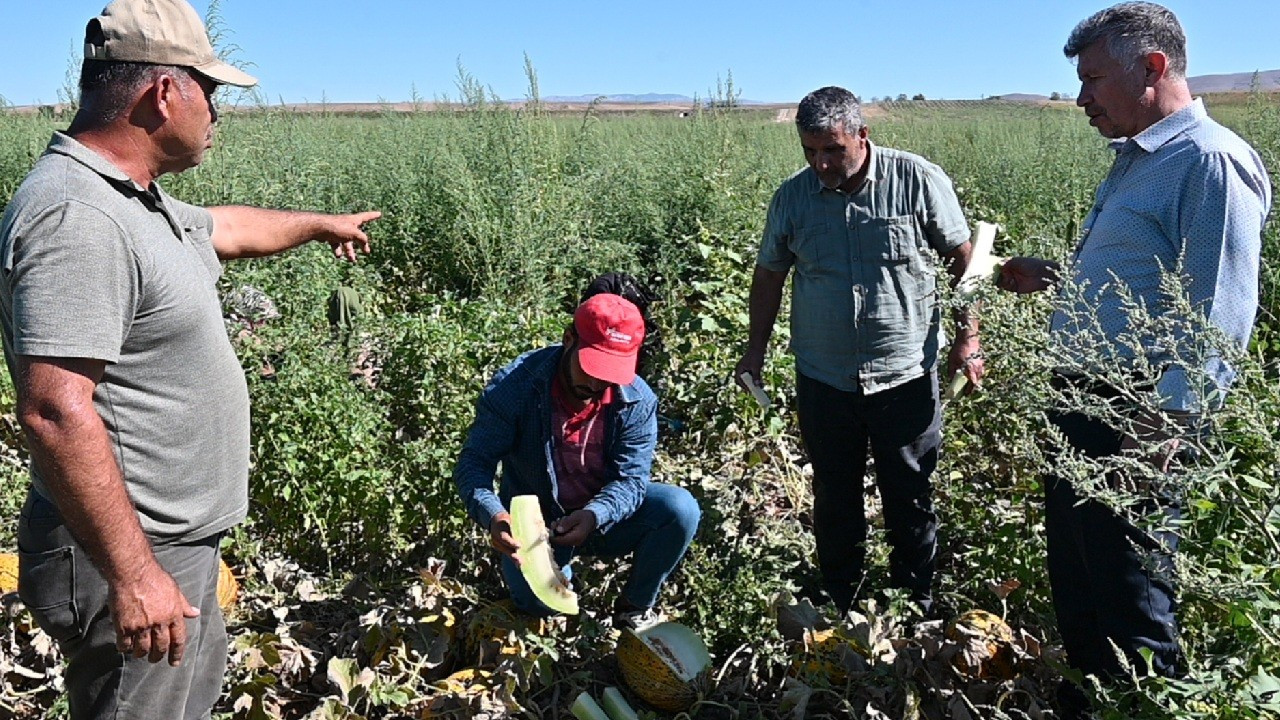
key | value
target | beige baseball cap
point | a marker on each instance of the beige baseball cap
(158, 32)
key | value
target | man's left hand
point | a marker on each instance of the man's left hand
(345, 233)
(573, 529)
(966, 355)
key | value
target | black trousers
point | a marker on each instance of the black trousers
(902, 426)
(1111, 581)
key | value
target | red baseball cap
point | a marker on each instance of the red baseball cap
(610, 331)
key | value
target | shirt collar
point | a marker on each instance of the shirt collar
(873, 172)
(1170, 127)
(63, 144)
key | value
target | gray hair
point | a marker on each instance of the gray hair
(107, 87)
(1130, 31)
(828, 108)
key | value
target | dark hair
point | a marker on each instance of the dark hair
(828, 108)
(642, 297)
(1132, 30)
(107, 87)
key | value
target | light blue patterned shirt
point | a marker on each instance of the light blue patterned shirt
(1186, 189)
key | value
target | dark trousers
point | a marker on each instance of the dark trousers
(903, 428)
(1111, 581)
(68, 599)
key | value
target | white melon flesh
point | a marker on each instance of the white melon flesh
(682, 650)
(584, 708)
(537, 563)
(617, 706)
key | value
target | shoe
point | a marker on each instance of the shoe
(638, 619)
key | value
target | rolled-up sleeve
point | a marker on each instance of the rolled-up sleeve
(1224, 206)
(945, 225)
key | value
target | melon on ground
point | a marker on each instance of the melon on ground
(664, 664)
(8, 573)
(228, 587)
(986, 645)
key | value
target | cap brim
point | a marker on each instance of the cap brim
(616, 369)
(225, 74)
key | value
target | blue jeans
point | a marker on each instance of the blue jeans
(658, 533)
(1111, 581)
(902, 426)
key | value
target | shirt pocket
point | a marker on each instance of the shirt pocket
(889, 239)
(47, 582)
(813, 245)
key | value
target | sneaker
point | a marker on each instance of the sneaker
(638, 619)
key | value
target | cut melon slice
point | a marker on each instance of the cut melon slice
(982, 264)
(584, 708)
(617, 706)
(537, 562)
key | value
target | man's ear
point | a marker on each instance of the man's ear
(1156, 64)
(164, 94)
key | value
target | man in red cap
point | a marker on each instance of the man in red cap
(574, 425)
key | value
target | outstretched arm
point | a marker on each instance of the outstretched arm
(246, 232)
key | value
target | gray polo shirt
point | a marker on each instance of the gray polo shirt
(93, 265)
(864, 308)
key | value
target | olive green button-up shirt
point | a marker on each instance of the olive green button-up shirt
(865, 314)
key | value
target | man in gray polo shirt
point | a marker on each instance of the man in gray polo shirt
(134, 405)
(858, 225)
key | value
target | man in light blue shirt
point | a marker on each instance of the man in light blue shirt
(1185, 195)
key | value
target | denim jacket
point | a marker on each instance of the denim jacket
(513, 426)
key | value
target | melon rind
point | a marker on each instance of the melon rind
(537, 563)
(617, 706)
(662, 663)
(585, 708)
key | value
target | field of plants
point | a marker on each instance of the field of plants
(367, 592)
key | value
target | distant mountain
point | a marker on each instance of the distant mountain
(1021, 97)
(646, 98)
(1268, 81)
(633, 99)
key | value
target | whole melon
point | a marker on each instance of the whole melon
(986, 645)
(8, 573)
(228, 587)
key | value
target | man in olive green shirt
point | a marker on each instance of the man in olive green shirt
(857, 225)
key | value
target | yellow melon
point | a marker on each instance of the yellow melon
(829, 654)
(8, 573)
(986, 645)
(228, 587)
(664, 664)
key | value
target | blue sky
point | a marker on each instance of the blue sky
(313, 50)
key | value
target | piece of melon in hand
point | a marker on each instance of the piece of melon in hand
(537, 563)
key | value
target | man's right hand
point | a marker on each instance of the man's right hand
(501, 537)
(1027, 275)
(150, 614)
(751, 362)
